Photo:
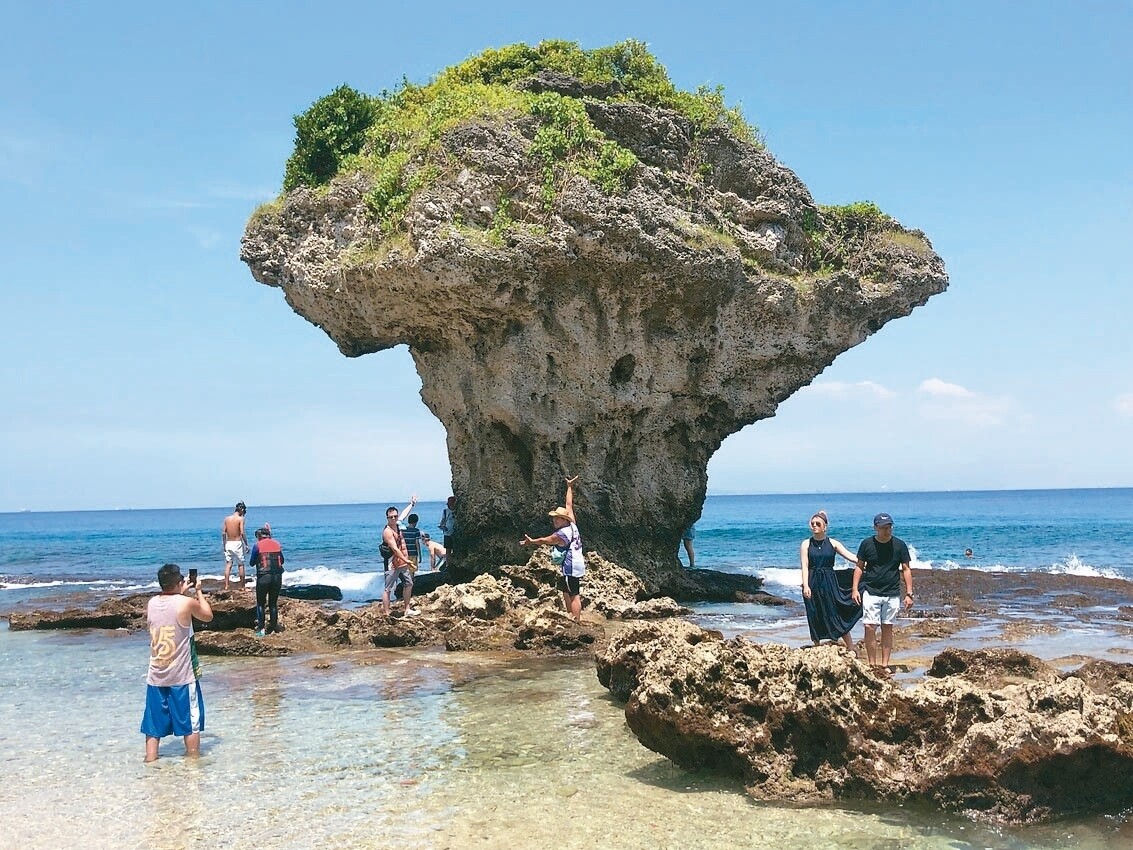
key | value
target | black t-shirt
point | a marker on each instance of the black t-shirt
(881, 570)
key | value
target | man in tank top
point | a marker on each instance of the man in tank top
(174, 705)
(399, 564)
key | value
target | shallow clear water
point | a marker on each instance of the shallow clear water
(404, 749)
(419, 749)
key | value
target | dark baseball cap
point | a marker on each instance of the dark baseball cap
(883, 519)
(169, 576)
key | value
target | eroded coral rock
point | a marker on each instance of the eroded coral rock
(817, 724)
(615, 333)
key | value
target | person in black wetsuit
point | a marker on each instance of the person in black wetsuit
(267, 560)
(830, 610)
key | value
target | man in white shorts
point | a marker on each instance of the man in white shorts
(883, 561)
(234, 542)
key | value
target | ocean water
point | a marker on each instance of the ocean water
(1086, 532)
(426, 749)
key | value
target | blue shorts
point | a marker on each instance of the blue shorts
(173, 710)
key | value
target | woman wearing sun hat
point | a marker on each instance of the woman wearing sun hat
(568, 542)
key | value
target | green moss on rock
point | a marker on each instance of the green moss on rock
(393, 137)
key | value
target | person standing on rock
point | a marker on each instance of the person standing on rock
(174, 704)
(411, 534)
(883, 561)
(687, 538)
(448, 521)
(234, 542)
(400, 520)
(399, 564)
(568, 544)
(830, 611)
(267, 558)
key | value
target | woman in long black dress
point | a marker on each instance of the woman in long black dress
(830, 611)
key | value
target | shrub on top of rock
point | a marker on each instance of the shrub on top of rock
(393, 136)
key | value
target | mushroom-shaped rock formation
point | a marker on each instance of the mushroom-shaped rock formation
(595, 274)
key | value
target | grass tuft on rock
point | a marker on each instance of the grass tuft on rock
(393, 137)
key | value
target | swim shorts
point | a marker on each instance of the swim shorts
(173, 710)
(233, 549)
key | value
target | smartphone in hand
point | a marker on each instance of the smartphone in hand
(192, 577)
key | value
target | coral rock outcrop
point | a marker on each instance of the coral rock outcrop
(998, 735)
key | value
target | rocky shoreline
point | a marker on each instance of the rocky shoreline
(513, 608)
(965, 722)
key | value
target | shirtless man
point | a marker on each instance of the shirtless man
(437, 552)
(234, 542)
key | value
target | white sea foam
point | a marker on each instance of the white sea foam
(355, 586)
(790, 576)
(116, 584)
(784, 576)
(1073, 566)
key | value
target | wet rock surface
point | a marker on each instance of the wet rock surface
(998, 735)
(515, 608)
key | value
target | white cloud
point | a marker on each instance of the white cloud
(937, 387)
(844, 391)
(175, 201)
(1123, 404)
(944, 401)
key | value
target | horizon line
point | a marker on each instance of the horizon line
(441, 500)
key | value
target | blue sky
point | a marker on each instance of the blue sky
(141, 366)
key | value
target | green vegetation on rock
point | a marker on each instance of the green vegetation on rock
(333, 128)
(393, 140)
(394, 137)
(835, 233)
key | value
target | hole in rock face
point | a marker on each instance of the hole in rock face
(623, 370)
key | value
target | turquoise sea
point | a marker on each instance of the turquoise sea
(423, 749)
(1089, 532)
